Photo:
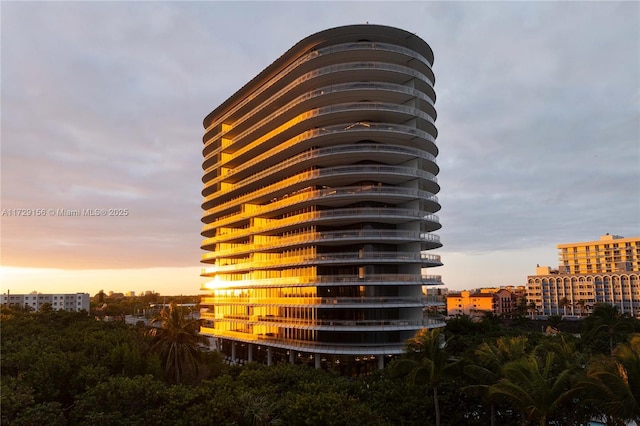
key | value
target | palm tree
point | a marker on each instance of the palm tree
(613, 383)
(568, 362)
(532, 387)
(567, 356)
(486, 368)
(605, 318)
(427, 362)
(176, 342)
(532, 308)
(581, 305)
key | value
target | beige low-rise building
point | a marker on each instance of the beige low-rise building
(500, 301)
(469, 303)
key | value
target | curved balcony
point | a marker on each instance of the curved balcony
(308, 118)
(321, 347)
(332, 154)
(367, 258)
(375, 90)
(346, 302)
(321, 281)
(327, 237)
(375, 46)
(338, 325)
(315, 54)
(339, 216)
(430, 259)
(325, 176)
(390, 133)
(328, 196)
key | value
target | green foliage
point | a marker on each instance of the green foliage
(66, 368)
(176, 343)
(58, 355)
(46, 413)
(485, 369)
(613, 383)
(314, 404)
(46, 307)
(530, 385)
(554, 320)
(15, 397)
(119, 398)
(426, 362)
(607, 324)
(395, 402)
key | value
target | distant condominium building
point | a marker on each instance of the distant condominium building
(68, 302)
(611, 254)
(319, 200)
(603, 271)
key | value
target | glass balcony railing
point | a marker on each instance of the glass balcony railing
(225, 265)
(237, 141)
(312, 238)
(324, 280)
(309, 196)
(272, 116)
(317, 323)
(379, 127)
(318, 91)
(311, 346)
(310, 301)
(314, 155)
(323, 52)
(361, 213)
(311, 176)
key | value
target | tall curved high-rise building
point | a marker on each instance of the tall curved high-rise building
(319, 200)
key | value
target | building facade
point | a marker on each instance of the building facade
(319, 200)
(74, 302)
(611, 254)
(603, 271)
(502, 301)
(473, 304)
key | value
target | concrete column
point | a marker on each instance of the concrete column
(292, 357)
(269, 357)
(380, 362)
(233, 352)
(317, 359)
(250, 352)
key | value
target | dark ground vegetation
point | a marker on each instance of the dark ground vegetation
(62, 368)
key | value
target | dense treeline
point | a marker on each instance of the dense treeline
(63, 368)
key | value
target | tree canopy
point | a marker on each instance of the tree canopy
(65, 368)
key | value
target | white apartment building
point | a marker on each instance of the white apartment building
(68, 302)
(603, 271)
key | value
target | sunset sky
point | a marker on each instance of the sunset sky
(102, 108)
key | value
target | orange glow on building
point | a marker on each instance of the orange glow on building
(590, 272)
(319, 199)
(467, 303)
